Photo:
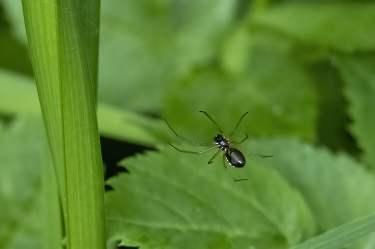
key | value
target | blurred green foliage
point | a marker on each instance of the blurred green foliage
(303, 69)
(22, 150)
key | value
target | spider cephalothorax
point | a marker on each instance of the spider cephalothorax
(222, 142)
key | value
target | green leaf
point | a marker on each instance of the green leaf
(146, 45)
(21, 160)
(13, 14)
(340, 237)
(63, 38)
(176, 200)
(332, 123)
(336, 187)
(277, 93)
(342, 26)
(30, 216)
(236, 50)
(18, 94)
(130, 126)
(358, 74)
(13, 43)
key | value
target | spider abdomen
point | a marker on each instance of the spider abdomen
(235, 157)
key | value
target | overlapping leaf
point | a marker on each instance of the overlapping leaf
(359, 76)
(18, 95)
(336, 188)
(341, 236)
(173, 200)
(144, 45)
(276, 92)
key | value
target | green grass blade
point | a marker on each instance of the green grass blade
(61, 60)
(42, 40)
(343, 235)
(89, 13)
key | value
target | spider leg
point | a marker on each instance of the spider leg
(257, 154)
(217, 126)
(235, 128)
(187, 140)
(192, 152)
(212, 159)
(238, 143)
(225, 167)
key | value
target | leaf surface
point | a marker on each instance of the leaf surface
(277, 93)
(343, 26)
(145, 46)
(359, 76)
(173, 200)
(336, 187)
(341, 236)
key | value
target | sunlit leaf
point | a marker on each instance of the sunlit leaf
(18, 94)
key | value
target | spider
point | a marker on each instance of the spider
(231, 154)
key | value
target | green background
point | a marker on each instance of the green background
(305, 72)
